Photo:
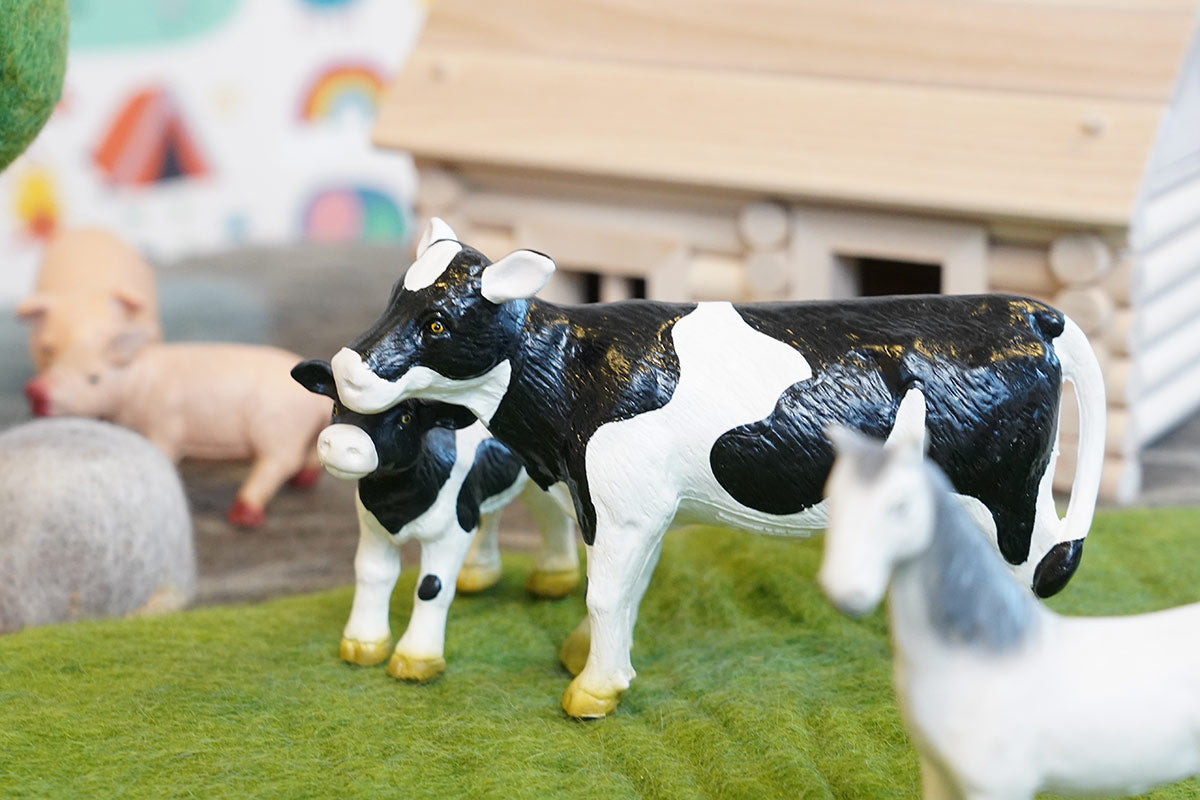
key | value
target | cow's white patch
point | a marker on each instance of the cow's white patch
(347, 452)
(730, 375)
(436, 230)
(431, 264)
(365, 392)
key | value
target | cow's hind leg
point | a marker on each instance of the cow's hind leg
(556, 571)
(367, 639)
(481, 570)
(619, 567)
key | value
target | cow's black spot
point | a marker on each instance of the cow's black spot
(430, 587)
(494, 469)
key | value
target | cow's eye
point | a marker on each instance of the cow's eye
(405, 419)
(436, 326)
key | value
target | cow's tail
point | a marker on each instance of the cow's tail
(1080, 367)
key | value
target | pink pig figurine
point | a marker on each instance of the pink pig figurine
(91, 287)
(201, 400)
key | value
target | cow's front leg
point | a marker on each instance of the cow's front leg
(619, 566)
(367, 639)
(574, 651)
(419, 653)
(481, 570)
(556, 571)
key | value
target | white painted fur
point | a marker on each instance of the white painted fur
(430, 265)
(95, 523)
(444, 545)
(1074, 705)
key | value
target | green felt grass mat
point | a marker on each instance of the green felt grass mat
(750, 685)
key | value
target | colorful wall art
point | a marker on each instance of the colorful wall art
(190, 127)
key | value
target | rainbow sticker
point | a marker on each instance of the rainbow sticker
(340, 89)
(352, 213)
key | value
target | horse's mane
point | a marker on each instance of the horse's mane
(973, 598)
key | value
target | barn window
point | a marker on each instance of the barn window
(871, 277)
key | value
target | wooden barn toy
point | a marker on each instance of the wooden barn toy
(836, 148)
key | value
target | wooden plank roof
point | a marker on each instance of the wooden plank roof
(1043, 109)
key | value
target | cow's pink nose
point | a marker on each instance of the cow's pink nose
(37, 392)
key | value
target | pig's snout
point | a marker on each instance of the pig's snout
(37, 392)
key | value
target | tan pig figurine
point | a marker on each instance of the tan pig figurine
(205, 401)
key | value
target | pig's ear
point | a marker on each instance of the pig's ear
(128, 303)
(518, 275)
(316, 376)
(436, 231)
(127, 344)
(33, 307)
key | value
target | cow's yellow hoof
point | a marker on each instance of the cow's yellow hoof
(365, 654)
(473, 578)
(582, 704)
(574, 651)
(552, 584)
(418, 670)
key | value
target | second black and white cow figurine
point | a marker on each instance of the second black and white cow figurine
(659, 414)
(429, 472)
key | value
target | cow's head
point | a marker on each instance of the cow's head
(354, 445)
(451, 326)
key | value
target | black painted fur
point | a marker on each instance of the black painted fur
(991, 401)
(494, 470)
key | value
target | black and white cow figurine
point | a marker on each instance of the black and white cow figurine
(430, 472)
(659, 414)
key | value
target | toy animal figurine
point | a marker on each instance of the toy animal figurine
(418, 479)
(95, 524)
(200, 400)
(92, 288)
(1002, 697)
(658, 414)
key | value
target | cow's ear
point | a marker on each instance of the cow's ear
(448, 415)
(316, 376)
(517, 276)
(436, 230)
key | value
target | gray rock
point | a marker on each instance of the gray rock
(95, 523)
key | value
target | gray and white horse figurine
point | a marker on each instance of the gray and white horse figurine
(1002, 697)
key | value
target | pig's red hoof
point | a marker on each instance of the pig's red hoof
(305, 478)
(38, 397)
(245, 515)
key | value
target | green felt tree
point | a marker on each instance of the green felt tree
(33, 59)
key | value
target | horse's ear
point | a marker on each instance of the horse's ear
(908, 432)
(844, 439)
(518, 275)
(436, 230)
